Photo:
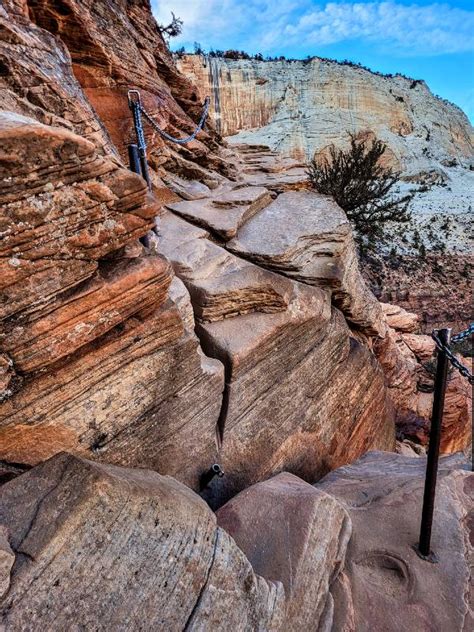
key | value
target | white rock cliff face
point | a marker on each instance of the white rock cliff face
(300, 107)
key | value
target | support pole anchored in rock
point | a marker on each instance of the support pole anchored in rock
(424, 545)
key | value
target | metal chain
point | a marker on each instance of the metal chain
(178, 141)
(463, 334)
(138, 126)
(451, 357)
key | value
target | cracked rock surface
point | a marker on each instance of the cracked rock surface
(113, 548)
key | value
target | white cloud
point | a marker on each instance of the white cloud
(270, 26)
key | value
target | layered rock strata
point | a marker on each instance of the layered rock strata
(409, 362)
(117, 46)
(87, 319)
(308, 237)
(286, 351)
(301, 107)
(385, 585)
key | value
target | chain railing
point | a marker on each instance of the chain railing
(463, 335)
(137, 152)
(173, 139)
(443, 342)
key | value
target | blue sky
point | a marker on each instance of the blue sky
(422, 39)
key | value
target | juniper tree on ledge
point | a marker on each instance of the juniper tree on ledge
(361, 186)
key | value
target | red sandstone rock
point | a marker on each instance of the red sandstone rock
(116, 46)
(37, 78)
(409, 364)
(93, 352)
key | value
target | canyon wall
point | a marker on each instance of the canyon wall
(219, 318)
(222, 328)
(300, 107)
(136, 355)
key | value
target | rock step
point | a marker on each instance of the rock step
(244, 148)
(221, 285)
(295, 534)
(306, 236)
(76, 526)
(226, 212)
(383, 494)
(288, 180)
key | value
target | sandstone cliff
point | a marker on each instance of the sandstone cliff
(243, 334)
(103, 348)
(301, 107)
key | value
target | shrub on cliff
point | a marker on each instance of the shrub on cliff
(361, 186)
(173, 29)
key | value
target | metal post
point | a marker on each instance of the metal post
(134, 102)
(424, 546)
(208, 475)
(134, 159)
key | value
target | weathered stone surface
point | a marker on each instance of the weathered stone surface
(285, 175)
(63, 208)
(94, 357)
(37, 79)
(292, 399)
(294, 534)
(7, 559)
(187, 189)
(111, 548)
(385, 585)
(134, 397)
(399, 319)
(308, 237)
(224, 213)
(221, 285)
(120, 290)
(409, 363)
(115, 46)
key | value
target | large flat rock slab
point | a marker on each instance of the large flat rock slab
(294, 534)
(385, 585)
(226, 212)
(306, 236)
(108, 548)
(221, 285)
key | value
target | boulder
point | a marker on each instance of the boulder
(385, 585)
(292, 400)
(103, 547)
(294, 534)
(307, 237)
(409, 364)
